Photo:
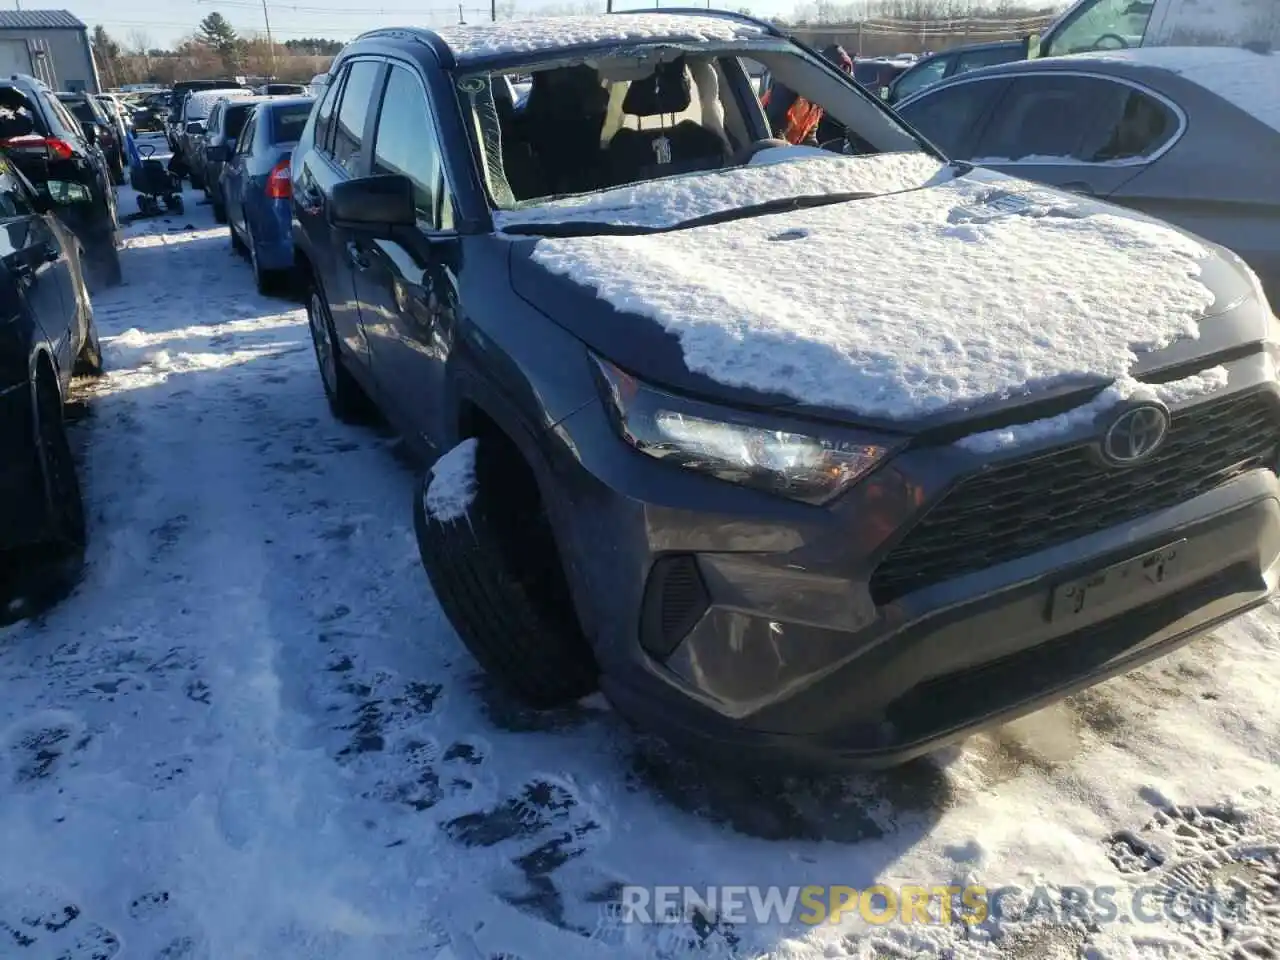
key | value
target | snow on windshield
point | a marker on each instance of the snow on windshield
(470, 41)
(1248, 80)
(907, 304)
(773, 175)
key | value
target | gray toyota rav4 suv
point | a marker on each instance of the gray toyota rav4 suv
(821, 455)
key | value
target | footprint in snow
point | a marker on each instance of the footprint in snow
(541, 805)
(1217, 871)
(46, 926)
(38, 748)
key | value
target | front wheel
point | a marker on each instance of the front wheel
(497, 575)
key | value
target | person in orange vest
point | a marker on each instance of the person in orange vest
(791, 116)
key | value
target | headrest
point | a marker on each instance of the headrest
(668, 91)
(571, 90)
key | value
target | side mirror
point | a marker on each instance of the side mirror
(195, 127)
(219, 154)
(379, 205)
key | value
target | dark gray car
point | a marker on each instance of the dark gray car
(656, 380)
(951, 63)
(1139, 128)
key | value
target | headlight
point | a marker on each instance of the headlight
(706, 438)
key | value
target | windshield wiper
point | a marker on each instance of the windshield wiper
(586, 228)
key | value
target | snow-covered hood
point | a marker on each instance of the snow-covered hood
(920, 307)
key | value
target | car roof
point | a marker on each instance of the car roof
(1230, 73)
(462, 43)
(293, 100)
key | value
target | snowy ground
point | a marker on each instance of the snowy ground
(251, 733)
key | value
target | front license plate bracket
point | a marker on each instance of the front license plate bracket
(1129, 578)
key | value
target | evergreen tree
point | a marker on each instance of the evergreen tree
(220, 37)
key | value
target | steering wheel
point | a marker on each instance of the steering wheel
(743, 155)
(1123, 43)
(150, 148)
(835, 145)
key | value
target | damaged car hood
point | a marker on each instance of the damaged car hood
(950, 300)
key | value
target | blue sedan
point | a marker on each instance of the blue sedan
(256, 184)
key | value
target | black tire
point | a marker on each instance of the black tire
(104, 270)
(517, 623)
(66, 525)
(267, 282)
(89, 361)
(347, 400)
(41, 574)
(46, 572)
(219, 212)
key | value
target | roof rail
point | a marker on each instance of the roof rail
(707, 12)
(423, 35)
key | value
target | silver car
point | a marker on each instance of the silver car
(1189, 135)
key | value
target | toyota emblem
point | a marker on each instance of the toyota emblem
(1135, 435)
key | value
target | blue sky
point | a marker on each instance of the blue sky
(338, 19)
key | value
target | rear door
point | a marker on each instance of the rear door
(234, 174)
(35, 256)
(1086, 134)
(342, 135)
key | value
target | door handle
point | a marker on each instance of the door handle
(356, 255)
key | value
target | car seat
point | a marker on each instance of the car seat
(674, 147)
(563, 116)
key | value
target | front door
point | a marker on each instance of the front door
(407, 291)
(35, 256)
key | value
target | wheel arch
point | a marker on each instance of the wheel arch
(483, 415)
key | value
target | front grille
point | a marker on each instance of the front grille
(1014, 510)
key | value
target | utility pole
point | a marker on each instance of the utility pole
(266, 17)
(493, 10)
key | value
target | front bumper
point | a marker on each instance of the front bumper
(780, 654)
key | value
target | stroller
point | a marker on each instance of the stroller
(153, 182)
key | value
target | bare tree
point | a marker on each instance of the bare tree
(139, 42)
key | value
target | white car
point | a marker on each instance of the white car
(1092, 25)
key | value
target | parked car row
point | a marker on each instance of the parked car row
(47, 336)
(63, 157)
(804, 542)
